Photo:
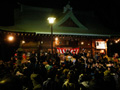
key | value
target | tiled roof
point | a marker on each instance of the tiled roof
(34, 19)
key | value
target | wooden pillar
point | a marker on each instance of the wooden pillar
(106, 47)
(93, 47)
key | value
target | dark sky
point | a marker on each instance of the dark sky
(107, 12)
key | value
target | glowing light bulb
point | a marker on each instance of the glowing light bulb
(10, 38)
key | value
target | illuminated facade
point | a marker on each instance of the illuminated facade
(73, 29)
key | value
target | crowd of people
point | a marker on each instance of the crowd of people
(49, 72)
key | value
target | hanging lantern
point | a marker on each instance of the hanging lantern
(23, 41)
(10, 38)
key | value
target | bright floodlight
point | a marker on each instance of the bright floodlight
(10, 38)
(51, 20)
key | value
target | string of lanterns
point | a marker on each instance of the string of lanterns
(34, 34)
(71, 37)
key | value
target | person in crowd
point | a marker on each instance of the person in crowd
(36, 79)
(10, 83)
(83, 81)
(50, 83)
(97, 83)
(52, 74)
(69, 84)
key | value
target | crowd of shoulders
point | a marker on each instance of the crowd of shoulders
(49, 73)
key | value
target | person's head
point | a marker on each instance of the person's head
(52, 73)
(10, 83)
(65, 71)
(33, 60)
(98, 75)
(33, 52)
(84, 77)
(71, 75)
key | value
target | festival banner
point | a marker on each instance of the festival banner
(64, 50)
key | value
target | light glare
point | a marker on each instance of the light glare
(10, 38)
(23, 42)
(82, 43)
(51, 20)
(56, 38)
